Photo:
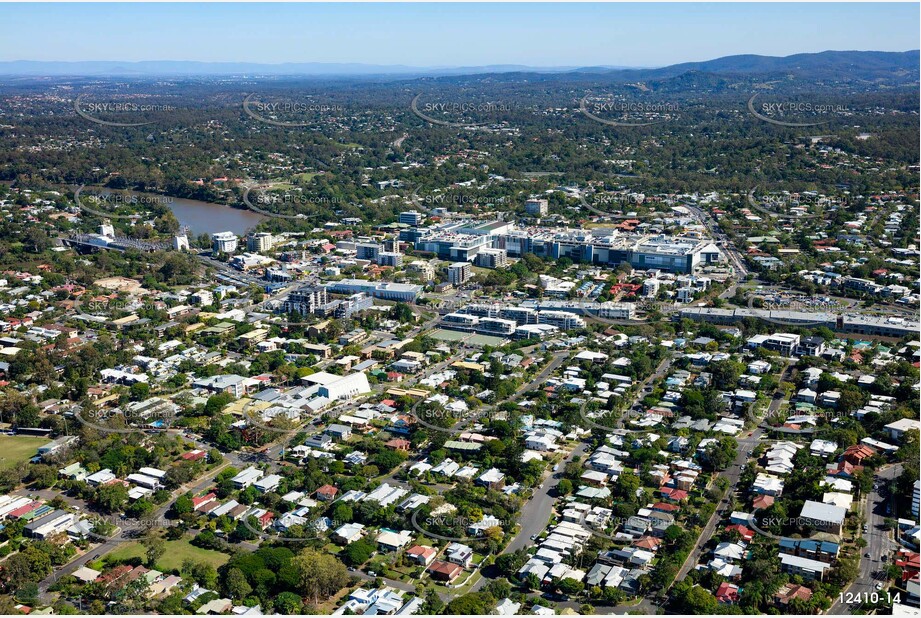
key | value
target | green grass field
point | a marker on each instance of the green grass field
(447, 335)
(176, 553)
(18, 449)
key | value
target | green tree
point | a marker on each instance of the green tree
(319, 575)
(288, 603)
(564, 487)
(154, 548)
(183, 505)
(720, 454)
(570, 586)
(358, 552)
(111, 498)
(235, 584)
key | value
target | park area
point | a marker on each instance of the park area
(15, 450)
(176, 553)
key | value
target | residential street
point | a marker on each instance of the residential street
(879, 542)
(101, 550)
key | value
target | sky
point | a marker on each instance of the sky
(450, 35)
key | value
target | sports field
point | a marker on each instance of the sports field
(18, 449)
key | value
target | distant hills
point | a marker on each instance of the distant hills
(827, 64)
(869, 66)
(178, 68)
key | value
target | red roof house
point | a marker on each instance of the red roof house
(327, 493)
(727, 593)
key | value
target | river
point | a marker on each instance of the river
(208, 218)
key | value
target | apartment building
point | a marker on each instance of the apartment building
(224, 242)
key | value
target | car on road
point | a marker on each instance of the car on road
(533, 537)
(866, 555)
(879, 586)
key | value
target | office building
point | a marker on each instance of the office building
(353, 304)
(561, 319)
(405, 292)
(345, 387)
(411, 217)
(916, 499)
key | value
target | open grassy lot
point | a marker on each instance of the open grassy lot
(176, 553)
(18, 449)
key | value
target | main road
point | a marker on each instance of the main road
(879, 543)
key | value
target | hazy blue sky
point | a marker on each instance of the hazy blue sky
(449, 34)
